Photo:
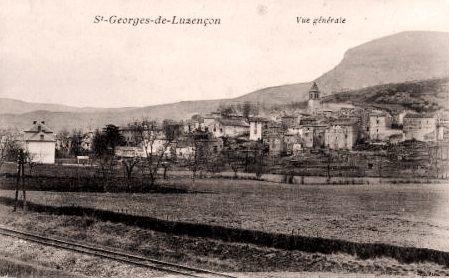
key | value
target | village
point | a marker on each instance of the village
(321, 139)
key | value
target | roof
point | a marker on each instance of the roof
(35, 128)
(210, 116)
(416, 115)
(289, 116)
(379, 113)
(345, 121)
(233, 122)
(314, 88)
(258, 119)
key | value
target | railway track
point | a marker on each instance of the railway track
(172, 268)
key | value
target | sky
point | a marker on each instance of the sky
(53, 52)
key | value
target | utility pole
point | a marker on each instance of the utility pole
(20, 181)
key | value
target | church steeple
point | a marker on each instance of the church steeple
(314, 102)
(314, 92)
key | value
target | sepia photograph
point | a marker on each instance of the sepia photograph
(238, 139)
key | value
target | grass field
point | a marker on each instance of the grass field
(406, 215)
(193, 251)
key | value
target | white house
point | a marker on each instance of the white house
(40, 143)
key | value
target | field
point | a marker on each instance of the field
(193, 251)
(415, 215)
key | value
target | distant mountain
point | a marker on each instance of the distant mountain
(406, 56)
(397, 58)
(402, 57)
(13, 106)
(88, 119)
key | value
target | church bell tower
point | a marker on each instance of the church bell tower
(314, 102)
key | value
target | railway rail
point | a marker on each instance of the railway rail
(172, 268)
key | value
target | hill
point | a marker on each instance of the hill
(421, 96)
(406, 56)
(403, 57)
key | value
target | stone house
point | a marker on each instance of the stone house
(421, 127)
(313, 135)
(380, 127)
(342, 135)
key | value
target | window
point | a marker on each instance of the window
(42, 136)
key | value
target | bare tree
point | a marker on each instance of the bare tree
(156, 141)
(233, 158)
(260, 154)
(5, 141)
(129, 164)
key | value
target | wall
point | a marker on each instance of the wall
(41, 151)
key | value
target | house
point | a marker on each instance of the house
(380, 126)
(40, 143)
(292, 144)
(256, 127)
(230, 127)
(212, 124)
(421, 127)
(313, 135)
(342, 134)
(289, 121)
(195, 123)
(201, 143)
